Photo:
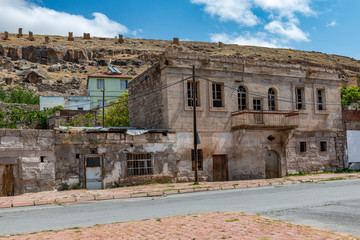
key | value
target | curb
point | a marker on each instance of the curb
(140, 194)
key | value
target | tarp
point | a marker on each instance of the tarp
(353, 145)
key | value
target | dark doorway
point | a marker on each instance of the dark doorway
(6, 180)
(219, 168)
(272, 169)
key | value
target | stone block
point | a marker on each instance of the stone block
(13, 133)
(29, 134)
(11, 143)
(23, 204)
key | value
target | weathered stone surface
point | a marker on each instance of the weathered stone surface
(36, 76)
(55, 67)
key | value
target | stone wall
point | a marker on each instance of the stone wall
(146, 108)
(313, 159)
(73, 147)
(31, 154)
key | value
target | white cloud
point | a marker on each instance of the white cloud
(281, 22)
(258, 39)
(332, 24)
(238, 11)
(288, 30)
(40, 20)
(286, 8)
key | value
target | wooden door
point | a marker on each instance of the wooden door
(272, 165)
(219, 168)
(6, 180)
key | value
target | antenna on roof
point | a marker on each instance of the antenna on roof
(113, 69)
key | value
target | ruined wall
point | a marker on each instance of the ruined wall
(73, 147)
(313, 159)
(146, 108)
(351, 119)
(211, 144)
(31, 156)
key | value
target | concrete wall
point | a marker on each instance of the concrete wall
(70, 102)
(112, 89)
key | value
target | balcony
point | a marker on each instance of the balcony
(264, 119)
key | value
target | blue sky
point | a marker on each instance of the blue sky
(328, 26)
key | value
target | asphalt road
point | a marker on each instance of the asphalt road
(330, 205)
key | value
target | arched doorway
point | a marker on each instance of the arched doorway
(272, 165)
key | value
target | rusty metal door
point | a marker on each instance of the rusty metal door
(272, 165)
(6, 180)
(93, 172)
(219, 168)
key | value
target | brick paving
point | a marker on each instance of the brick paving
(226, 225)
(154, 190)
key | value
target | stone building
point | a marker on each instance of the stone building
(255, 119)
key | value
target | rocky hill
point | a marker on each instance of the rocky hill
(60, 67)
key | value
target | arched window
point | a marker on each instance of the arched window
(272, 99)
(242, 98)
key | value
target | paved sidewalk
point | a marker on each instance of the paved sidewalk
(157, 190)
(218, 225)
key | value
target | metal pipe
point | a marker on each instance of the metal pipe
(103, 108)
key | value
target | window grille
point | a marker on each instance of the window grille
(217, 95)
(299, 98)
(190, 94)
(242, 98)
(302, 146)
(271, 99)
(139, 164)
(93, 162)
(100, 84)
(199, 157)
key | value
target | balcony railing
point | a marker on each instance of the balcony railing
(264, 119)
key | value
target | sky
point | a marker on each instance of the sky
(328, 26)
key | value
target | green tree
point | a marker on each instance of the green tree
(117, 112)
(349, 95)
(19, 95)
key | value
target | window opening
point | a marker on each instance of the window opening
(271, 99)
(257, 104)
(190, 94)
(299, 98)
(323, 146)
(42, 158)
(100, 84)
(302, 146)
(217, 95)
(123, 84)
(242, 98)
(320, 100)
(139, 164)
(93, 162)
(199, 157)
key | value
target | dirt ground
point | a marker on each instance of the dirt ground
(226, 225)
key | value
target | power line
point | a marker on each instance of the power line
(265, 96)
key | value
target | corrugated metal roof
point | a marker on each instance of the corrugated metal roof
(110, 75)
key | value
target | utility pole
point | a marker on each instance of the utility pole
(195, 130)
(103, 108)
